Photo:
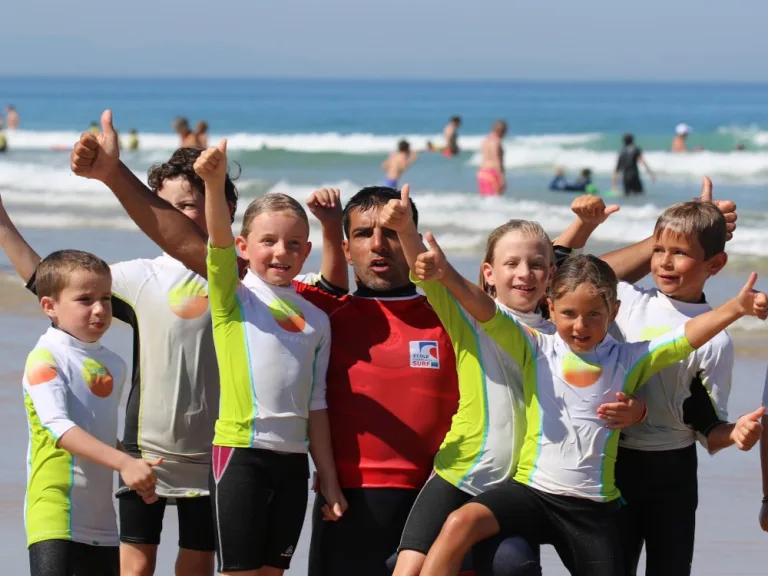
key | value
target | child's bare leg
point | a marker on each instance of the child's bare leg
(409, 563)
(465, 527)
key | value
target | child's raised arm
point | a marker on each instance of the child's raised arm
(24, 259)
(433, 264)
(325, 205)
(221, 264)
(590, 212)
(211, 166)
(97, 156)
(748, 302)
(397, 215)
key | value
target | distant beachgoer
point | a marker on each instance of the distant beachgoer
(398, 162)
(629, 158)
(451, 134)
(93, 128)
(3, 141)
(133, 140)
(741, 147)
(187, 138)
(582, 184)
(681, 135)
(12, 117)
(201, 133)
(490, 176)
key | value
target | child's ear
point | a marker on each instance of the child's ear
(242, 246)
(47, 304)
(615, 310)
(717, 263)
(551, 306)
(309, 249)
(487, 270)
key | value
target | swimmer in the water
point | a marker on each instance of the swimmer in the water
(582, 184)
(187, 138)
(11, 117)
(201, 133)
(451, 134)
(681, 135)
(133, 140)
(490, 176)
(93, 128)
(397, 163)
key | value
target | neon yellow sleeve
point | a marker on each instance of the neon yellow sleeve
(222, 281)
(649, 357)
(520, 342)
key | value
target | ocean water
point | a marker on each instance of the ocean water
(294, 136)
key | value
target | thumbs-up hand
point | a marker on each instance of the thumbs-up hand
(750, 301)
(97, 156)
(211, 165)
(748, 429)
(726, 207)
(432, 264)
(397, 214)
(592, 210)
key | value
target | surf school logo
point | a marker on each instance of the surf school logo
(424, 354)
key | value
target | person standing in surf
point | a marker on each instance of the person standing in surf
(490, 176)
(627, 166)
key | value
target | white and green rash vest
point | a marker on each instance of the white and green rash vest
(482, 448)
(568, 450)
(272, 347)
(645, 314)
(70, 383)
(174, 397)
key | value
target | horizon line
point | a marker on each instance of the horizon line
(382, 80)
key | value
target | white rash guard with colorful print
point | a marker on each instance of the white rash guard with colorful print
(482, 448)
(568, 450)
(272, 347)
(174, 398)
(70, 383)
(645, 314)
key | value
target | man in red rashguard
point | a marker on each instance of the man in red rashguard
(392, 390)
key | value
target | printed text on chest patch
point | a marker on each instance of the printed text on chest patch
(424, 354)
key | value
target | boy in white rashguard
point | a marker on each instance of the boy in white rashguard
(72, 387)
(657, 464)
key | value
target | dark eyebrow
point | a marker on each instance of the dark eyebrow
(362, 229)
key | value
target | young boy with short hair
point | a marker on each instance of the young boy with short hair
(656, 464)
(72, 388)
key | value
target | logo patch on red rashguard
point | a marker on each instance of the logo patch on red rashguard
(424, 354)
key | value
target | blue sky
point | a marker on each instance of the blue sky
(547, 39)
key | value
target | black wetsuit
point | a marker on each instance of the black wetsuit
(627, 164)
